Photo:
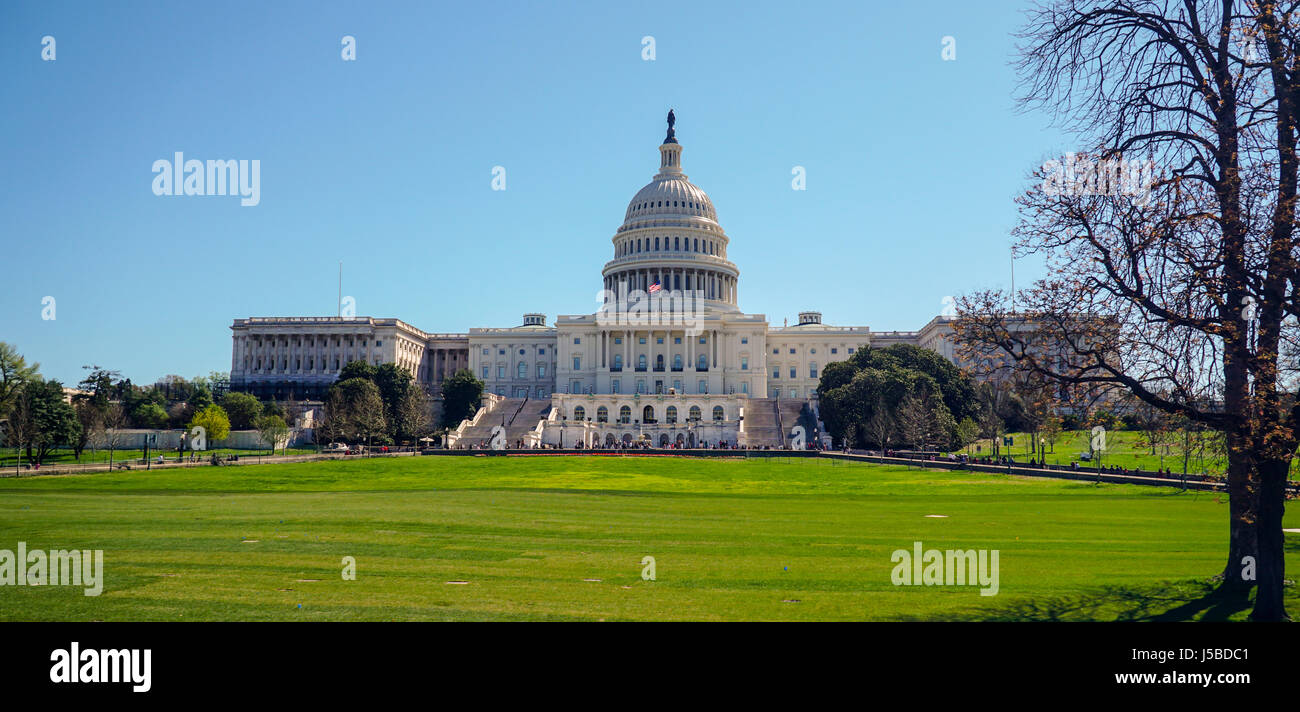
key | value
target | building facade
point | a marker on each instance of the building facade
(669, 351)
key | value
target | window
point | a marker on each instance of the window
(718, 413)
(776, 352)
(522, 370)
(521, 352)
(648, 414)
(677, 339)
(794, 372)
(702, 364)
(579, 413)
(812, 351)
(744, 339)
(694, 413)
(677, 386)
(618, 340)
(625, 414)
(677, 362)
(704, 386)
(576, 341)
(812, 370)
(377, 343)
(640, 362)
(577, 363)
(744, 363)
(485, 370)
(541, 370)
(602, 414)
(613, 386)
(791, 350)
(541, 391)
(575, 386)
(659, 339)
(618, 362)
(501, 371)
(501, 352)
(541, 352)
(794, 392)
(744, 387)
(701, 339)
(641, 340)
(834, 350)
(850, 349)
(776, 372)
(640, 385)
(671, 416)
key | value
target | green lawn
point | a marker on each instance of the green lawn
(63, 456)
(733, 540)
(1124, 448)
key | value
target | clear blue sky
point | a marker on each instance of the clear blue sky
(386, 162)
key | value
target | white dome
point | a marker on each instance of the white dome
(671, 196)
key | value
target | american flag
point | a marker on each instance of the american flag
(655, 288)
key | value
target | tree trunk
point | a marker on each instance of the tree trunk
(1242, 500)
(1271, 556)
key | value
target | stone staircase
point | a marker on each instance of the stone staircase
(518, 415)
(762, 424)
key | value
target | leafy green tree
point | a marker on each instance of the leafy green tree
(272, 408)
(851, 391)
(14, 372)
(461, 394)
(200, 397)
(214, 421)
(242, 408)
(149, 415)
(272, 430)
(89, 419)
(356, 369)
(48, 421)
(968, 431)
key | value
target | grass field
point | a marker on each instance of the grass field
(1124, 448)
(62, 456)
(562, 538)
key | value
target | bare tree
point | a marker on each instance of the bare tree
(881, 426)
(111, 422)
(1176, 287)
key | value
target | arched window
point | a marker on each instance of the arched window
(602, 414)
(659, 362)
(717, 412)
(671, 416)
(677, 362)
(702, 363)
(625, 414)
(648, 414)
(694, 413)
(579, 413)
(640, 362)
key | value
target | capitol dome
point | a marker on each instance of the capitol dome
(670, 236)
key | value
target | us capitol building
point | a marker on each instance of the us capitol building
(669, 358)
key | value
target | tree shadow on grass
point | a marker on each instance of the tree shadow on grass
(1199, 600)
